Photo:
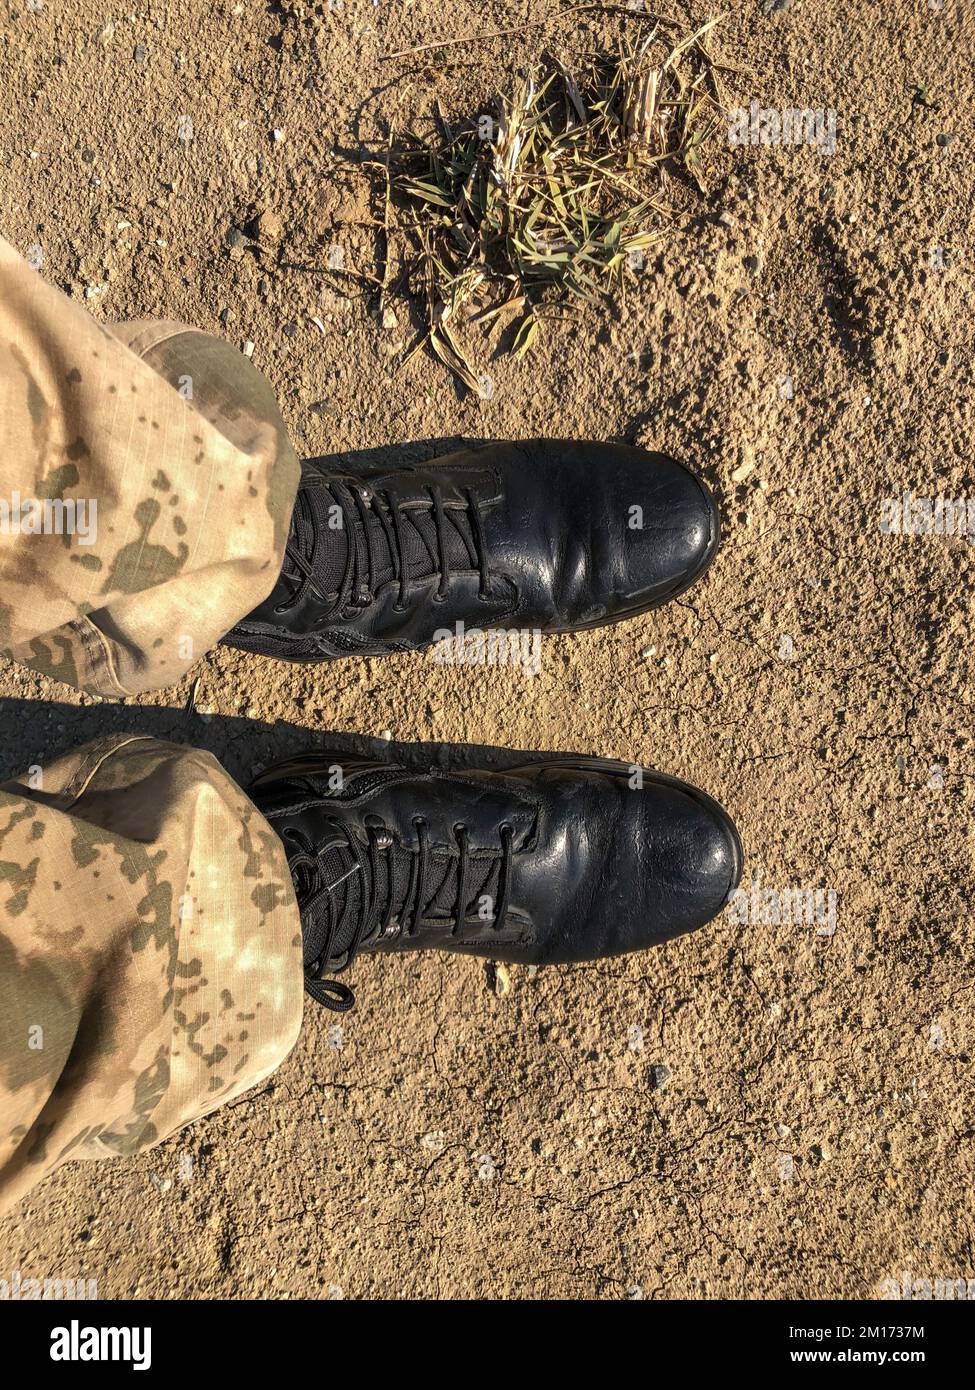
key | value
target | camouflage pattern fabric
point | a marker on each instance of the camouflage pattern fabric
(150, 948)
(150, 953)
(146, 485)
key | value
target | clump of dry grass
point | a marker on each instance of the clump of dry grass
(548, 199)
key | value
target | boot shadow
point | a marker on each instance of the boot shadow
(36, 732)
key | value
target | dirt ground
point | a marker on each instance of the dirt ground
(769, 1108)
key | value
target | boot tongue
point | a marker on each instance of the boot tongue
(395, 865)
(325, 546)
(420, 550)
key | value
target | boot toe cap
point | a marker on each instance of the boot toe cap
(637, 529)
(671, 534)
(693, 862)
(678, 863)
(664, 862)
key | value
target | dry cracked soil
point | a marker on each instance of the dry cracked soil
(769, 1108)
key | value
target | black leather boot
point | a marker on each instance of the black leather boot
(546, 534)
(564, 858)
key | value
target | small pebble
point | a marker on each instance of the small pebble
(267, 226)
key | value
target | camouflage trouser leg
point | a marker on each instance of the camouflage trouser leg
(150, 962)
(150, 953)
(146, 484)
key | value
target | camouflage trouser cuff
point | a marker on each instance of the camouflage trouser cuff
(150, 952)
(146, 487)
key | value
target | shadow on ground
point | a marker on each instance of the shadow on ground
(33, 731)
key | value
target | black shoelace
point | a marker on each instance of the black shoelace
(307, 563)
(326, 914)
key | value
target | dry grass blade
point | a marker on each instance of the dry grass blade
(552, 197)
